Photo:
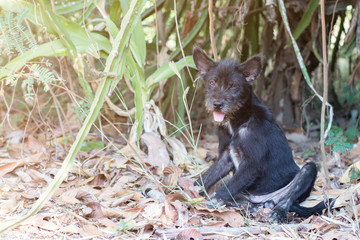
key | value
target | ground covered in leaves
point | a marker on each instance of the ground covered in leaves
(109, 194)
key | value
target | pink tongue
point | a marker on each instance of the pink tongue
(218, 116)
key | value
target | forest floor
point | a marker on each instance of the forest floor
(108, 195)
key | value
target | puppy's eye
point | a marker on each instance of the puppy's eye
(212, 83)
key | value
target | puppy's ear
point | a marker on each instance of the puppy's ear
(251, 68)
(202, 61)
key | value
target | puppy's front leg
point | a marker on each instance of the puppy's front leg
(218, 170)
(242, 179)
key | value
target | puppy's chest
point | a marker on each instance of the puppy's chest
(235, 148)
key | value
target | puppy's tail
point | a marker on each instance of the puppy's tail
(317, 209)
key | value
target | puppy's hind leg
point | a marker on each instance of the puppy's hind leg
(299, 190)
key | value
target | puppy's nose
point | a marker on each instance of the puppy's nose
(218, 104)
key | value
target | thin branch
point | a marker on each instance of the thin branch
(211, 30)
(325, 90)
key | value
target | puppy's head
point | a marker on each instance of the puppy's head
(228, 83)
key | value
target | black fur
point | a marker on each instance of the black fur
(251, 144)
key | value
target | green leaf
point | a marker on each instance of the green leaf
(56, 48)
(165, 72)
(306, 19)
(88, 146)
(64, 7)
(137, 41)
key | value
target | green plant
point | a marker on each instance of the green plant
(126, 226)
(354, 175)
(17, 40)
(337, 141)
(87, 146)
(352, 133)
(350, 95)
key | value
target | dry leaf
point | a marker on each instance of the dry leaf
(153, 211)
(189, 234)
(50, 226)
(234, 219)
(175, 196)
(180, 155)
(98, 181)
(97, 212)
(188, 186)
(339, 235)
(158, 155)
(108, 223)
(171, 214)
(15, 137)
(35, 146)
(9, 167)
(182, 212)
(355, 152)
(114, 212)
(72, 229)
(92, 230)
(354, 169)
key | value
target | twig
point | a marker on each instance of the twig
(325, 90)
(211, 30)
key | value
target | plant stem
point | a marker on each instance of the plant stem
(211, 30)
(325, 90)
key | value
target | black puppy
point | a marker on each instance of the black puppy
(251, 144)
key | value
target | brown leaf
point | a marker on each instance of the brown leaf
(92, 230)
(158, 155)
(97, 212)
(124, 196)
(173, 174)
(194, 221)
(34, 145)
(188, 234)
(338, 234)
(85, 196)
(98, 181)
(188, 186)
(175, 196)
(317, 226)
(9, 167)
(69, 199)
(70, 229)
(355, 152)
(114, 212)
(50, 226)
(347, 177)
(234, 219)
(180, 155)
(108, 223)
(182, 212)
(170, 213)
